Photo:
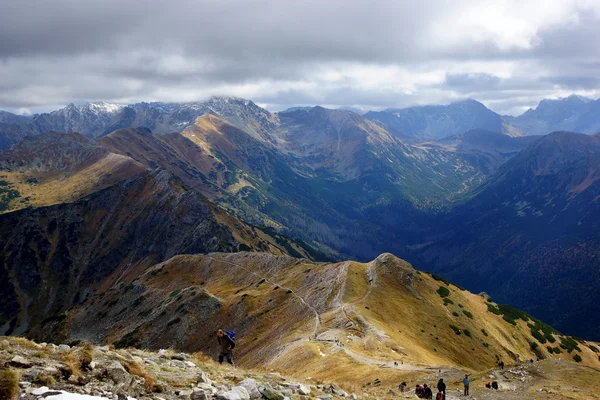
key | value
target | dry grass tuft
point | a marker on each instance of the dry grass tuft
(9, 384)
(86, 355)
(46, 380)
(25, 343)
(203, 358)
(135, 369)
(73, 363)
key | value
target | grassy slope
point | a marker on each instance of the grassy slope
(273, 302)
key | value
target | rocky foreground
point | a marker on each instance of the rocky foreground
(34, 371)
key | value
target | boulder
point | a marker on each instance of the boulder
(64, 347)
(21, 362)
(325, 397)
(201, 394)
(304, 389)
(207, 387)
(181, 356)
(236, 393)
(5, 344)
(118, 374)
(252, 387)
(270, 393)
(31, 375)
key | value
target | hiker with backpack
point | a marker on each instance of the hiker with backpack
(441, 386)
(466, 383)
(227, 343)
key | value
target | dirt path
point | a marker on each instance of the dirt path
(318, 323)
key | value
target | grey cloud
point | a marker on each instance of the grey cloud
(121, 51)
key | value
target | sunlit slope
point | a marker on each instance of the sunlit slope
(339, 320)
(57, 168)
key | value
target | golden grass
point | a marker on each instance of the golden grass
(46, 380)
(86, 355)
(23, 342)
(135, 369)
(73, 363)
(9, 384)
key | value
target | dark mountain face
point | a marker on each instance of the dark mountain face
(574, 113)
(436, 122)
(326, 176)
(56, 256)
(530, 234)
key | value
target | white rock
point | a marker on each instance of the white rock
(40, 391)
(64, 347)
(252, 387)
(189, 364)
(236, 393)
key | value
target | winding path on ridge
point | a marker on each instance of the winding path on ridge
(371, 277)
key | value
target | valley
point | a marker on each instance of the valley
(162, 222)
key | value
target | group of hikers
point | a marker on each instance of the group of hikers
(226, 341)
(425, 392)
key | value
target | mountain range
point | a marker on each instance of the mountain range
(482, 203)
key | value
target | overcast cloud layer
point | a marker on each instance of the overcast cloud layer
(370, 54)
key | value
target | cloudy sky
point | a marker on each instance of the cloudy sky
(370, 54)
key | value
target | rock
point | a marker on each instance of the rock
(31, 375)
(189, 364)
(236, 393)
(5, 344)
(163, 353)
(251, 387)
(180, 356)
(73, 380)
(64, 347)
(200, 394)
(184, 392)
(207, 387)
(304, 389)
(40, 391)
(354, 396)
(118, 374)
(286, 392)
(20, 362)
(24, 384)
(270, 394)
(335, 389)
(92, 365)
(325, 397)
(203, 378)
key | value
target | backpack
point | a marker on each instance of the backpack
(231, 335)
(440, 396)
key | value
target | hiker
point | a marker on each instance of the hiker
(427, 393)
(419, 391)
(227, 344)
(495, 385)
(501, 364)
(402, 386)
(440, 396)
(488, 385)
(441, 386)
(466, 383)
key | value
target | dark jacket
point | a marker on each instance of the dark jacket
(225, 342)
(427, 393)
(441, 386)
